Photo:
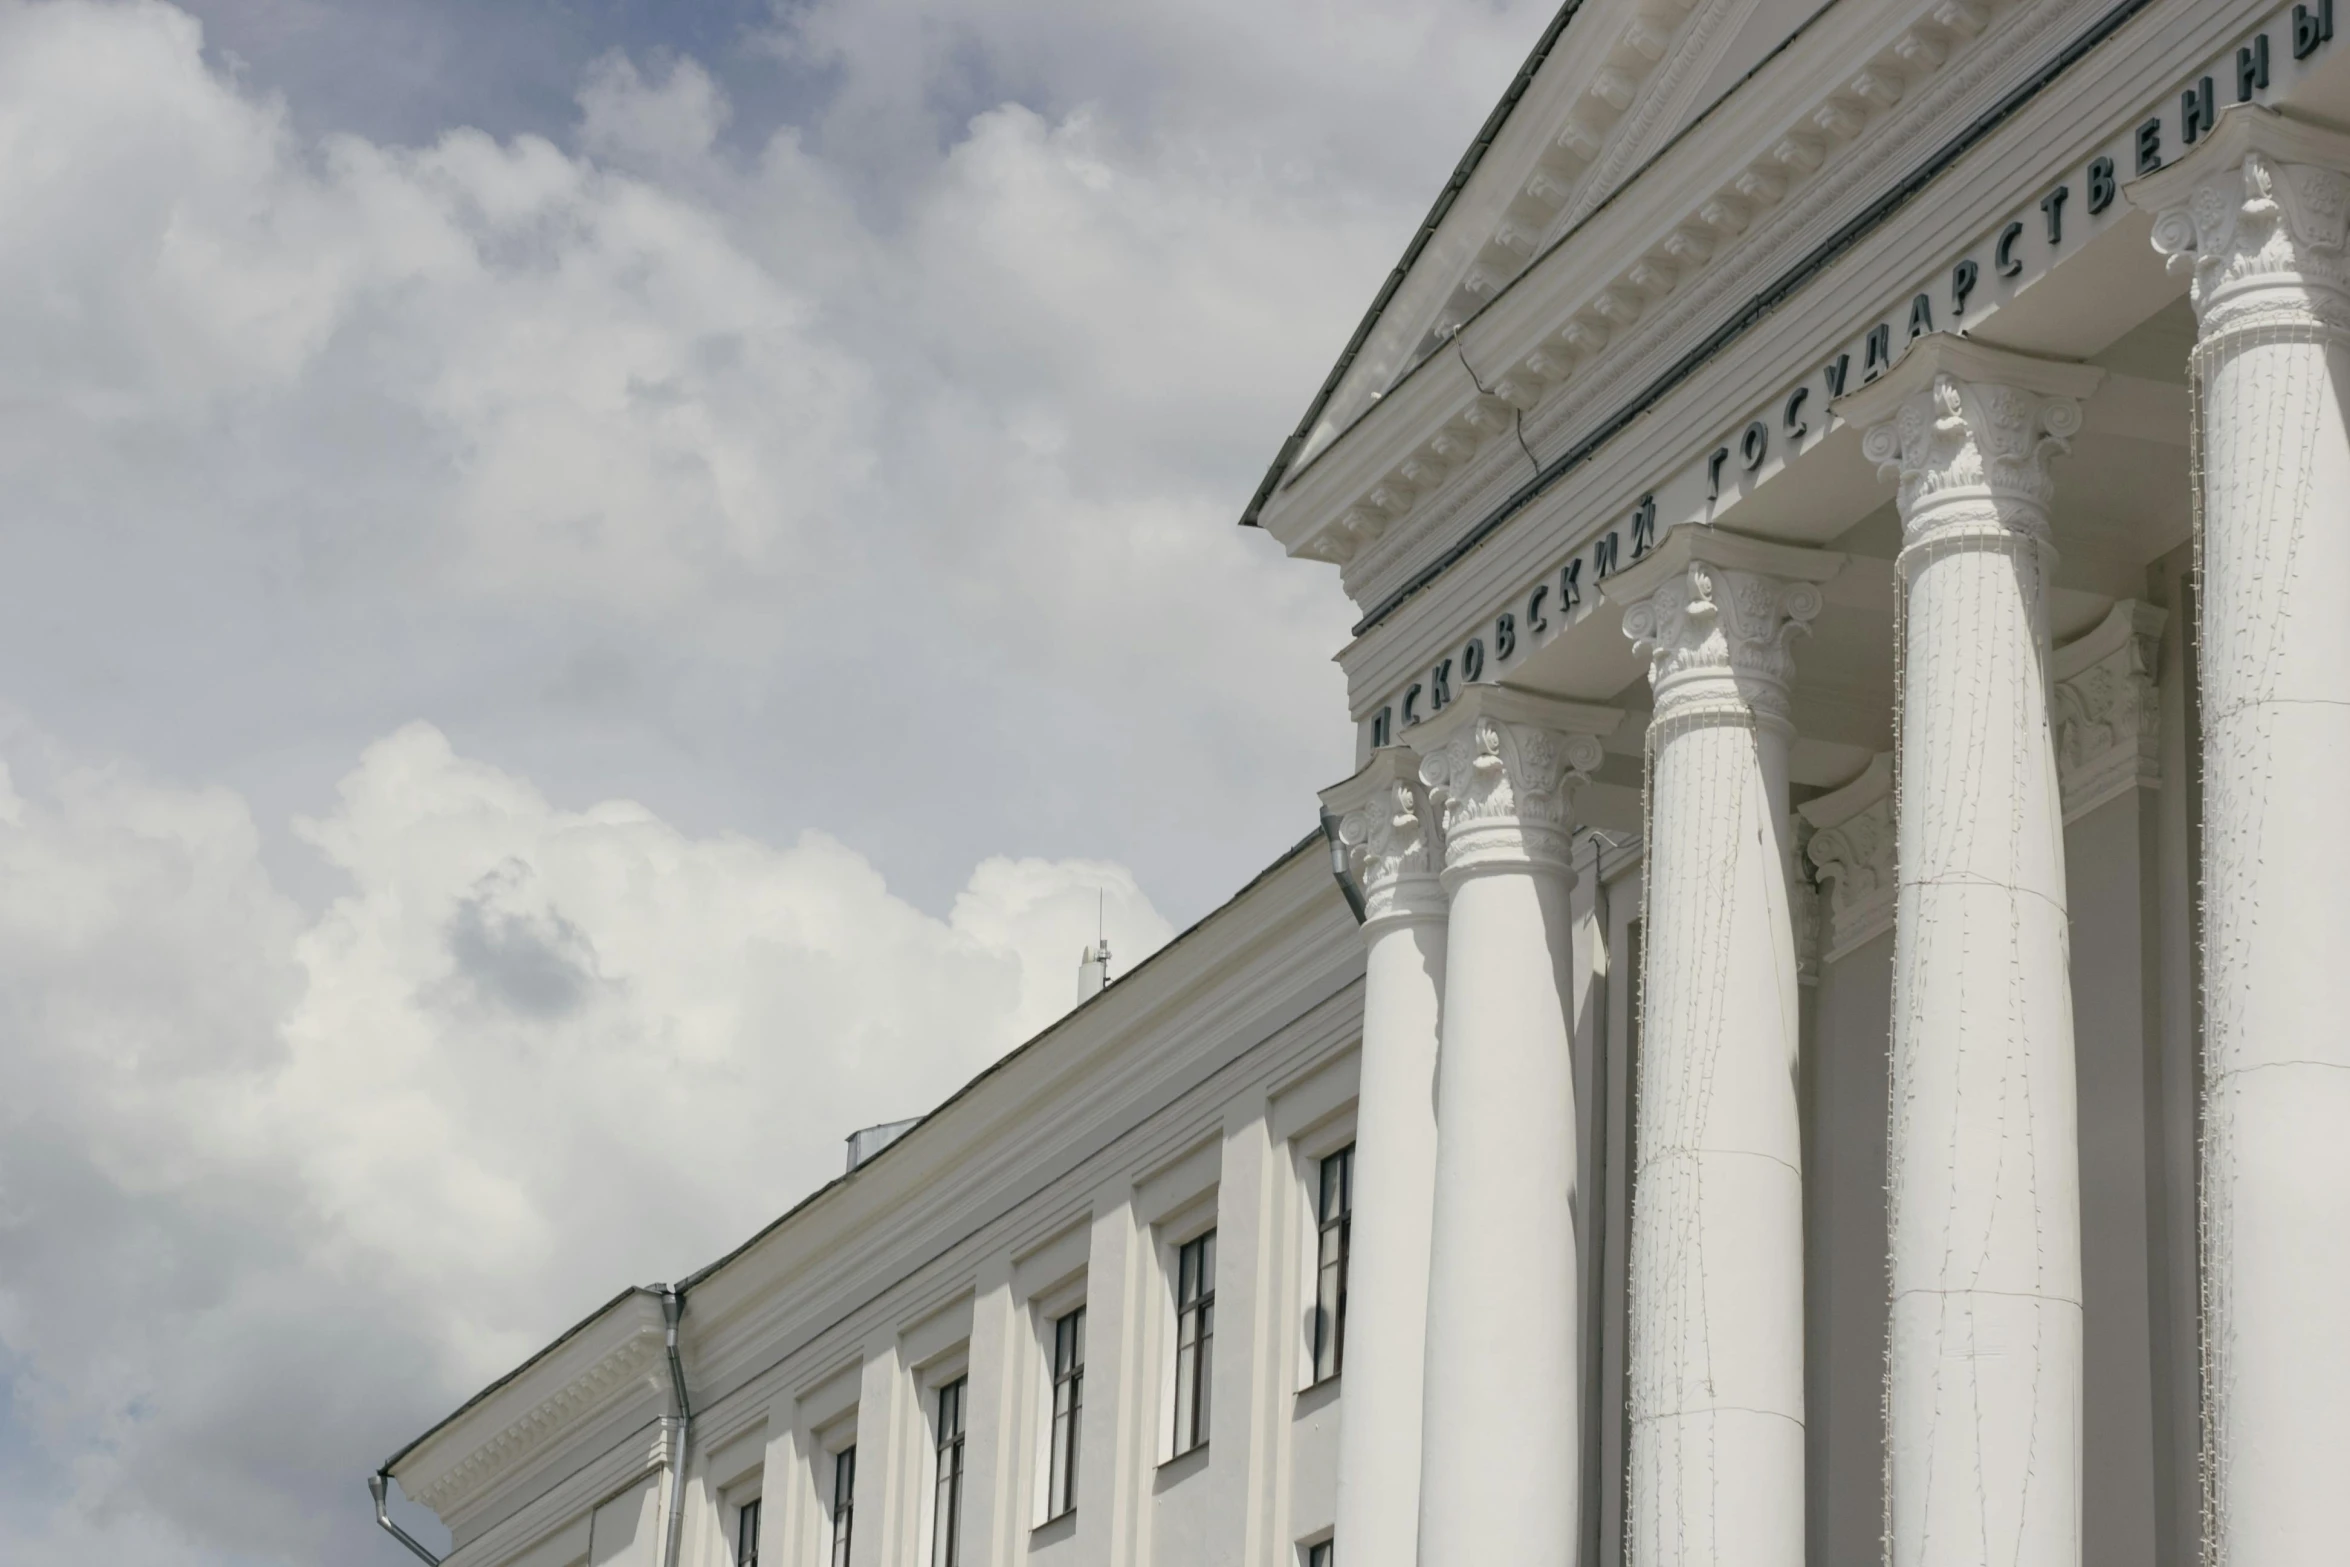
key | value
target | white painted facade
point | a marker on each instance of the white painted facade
(1834, 996)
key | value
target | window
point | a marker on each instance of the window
(1068, 1402)
(1322, 1554)
(946, 1527)
(1334, 1209)
(844, 1503)
(1195, 1329)
(746, 1534)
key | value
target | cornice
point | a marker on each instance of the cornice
(617, 1362)
(1275, 966)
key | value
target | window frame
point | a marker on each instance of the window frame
(840, 1511)
(1193, 1282)
(1063, 1427)
(748, 1518)
(1333, 1264)
(950, 1396)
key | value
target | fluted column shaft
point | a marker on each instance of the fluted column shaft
(1389, 832)
(1499, 1466)
(1984, 1360)
(1716, 1372)
(2258, 213)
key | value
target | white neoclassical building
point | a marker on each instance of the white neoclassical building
(1820, 1030)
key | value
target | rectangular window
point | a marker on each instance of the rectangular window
(1195, 1331)
(746, 1534)
(1322, 1554)
(946, 1529)
(1068, 1403)
(844, 1503)
(1334, 1209)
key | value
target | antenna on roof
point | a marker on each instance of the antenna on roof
(1093, 963)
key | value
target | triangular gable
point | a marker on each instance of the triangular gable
(1608, 84)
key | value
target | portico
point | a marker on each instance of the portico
(1945, 1003)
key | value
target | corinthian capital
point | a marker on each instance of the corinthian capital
(1502, 767)
(1969, 432)
(1718, 616)
(1389, 832)
(2257, 214)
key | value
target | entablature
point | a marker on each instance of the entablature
(1999, 248)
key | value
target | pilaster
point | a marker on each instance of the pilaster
(2108, 716)
(1852, 850)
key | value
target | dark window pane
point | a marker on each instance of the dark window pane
(844, 1495)
(746, 1534)
(946, 1543)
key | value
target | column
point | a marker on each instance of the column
(1716, 1342)
(1499, 1476)
(1390, 836)
(2257, 214)
(1983, 1413)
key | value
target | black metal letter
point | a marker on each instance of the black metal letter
(2053, 205)
(2196, 111)
(2252, 69)
(1505, 634)
(2311, 28)
(2102, 185)
(1921, 317)
(1534, 621)
(1797, 426)
(1473, 661)
(1962, 283)
(1713, 472)
(1754, 445)
(1439, 686)
(1571, 585)
(1834, 372)
(1409, 697)
(1382, 727)
(1603, 554)
(1879, 358)
(1644, 521)
(2003, 257)
(2150, 145)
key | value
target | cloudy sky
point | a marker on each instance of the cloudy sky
(592, 594)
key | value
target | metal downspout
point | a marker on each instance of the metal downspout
(376, 1484)
(1340, 871)
(672, 1308)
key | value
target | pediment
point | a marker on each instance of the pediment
(1608, 85)
(1643, 145)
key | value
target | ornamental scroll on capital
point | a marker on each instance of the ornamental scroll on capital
(1388, 831)
(2258, 215)
(1955, 437)
(1498, 771)
(1711, 620)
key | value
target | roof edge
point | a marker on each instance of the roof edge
(1486, 135)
